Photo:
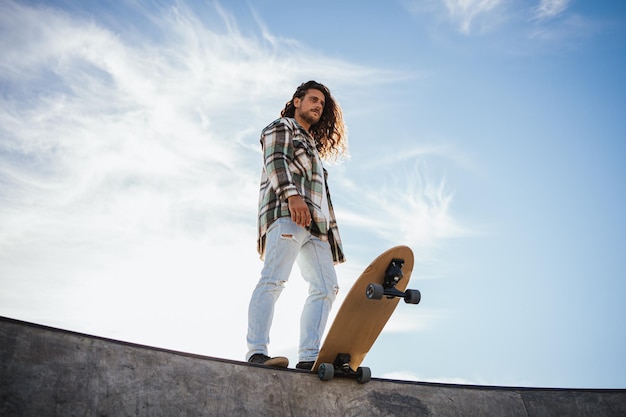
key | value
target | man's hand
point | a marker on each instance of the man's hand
(299, 211)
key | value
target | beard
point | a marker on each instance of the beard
(310, 117)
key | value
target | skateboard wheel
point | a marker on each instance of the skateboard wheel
(375, 291)
(412, 296)
(326, 371)
(363, 375)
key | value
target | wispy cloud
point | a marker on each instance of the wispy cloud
(465, 12)
(466, 16)
(120, 163)
(546, 20)
(557, 26)
(548, 9)
(412, 206)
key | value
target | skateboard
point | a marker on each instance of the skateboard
(363, 314)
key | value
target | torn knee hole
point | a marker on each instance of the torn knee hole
(287, 236)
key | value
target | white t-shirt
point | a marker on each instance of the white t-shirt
(325, 208)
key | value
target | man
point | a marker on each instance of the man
(296, 219)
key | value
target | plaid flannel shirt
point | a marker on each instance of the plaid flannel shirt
(292, 167)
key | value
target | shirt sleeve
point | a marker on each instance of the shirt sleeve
(278, 151)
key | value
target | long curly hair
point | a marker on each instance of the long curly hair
(330, 133)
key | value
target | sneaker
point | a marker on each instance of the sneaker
(305, 365)
(261, 359)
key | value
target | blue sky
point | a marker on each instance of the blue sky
(487, 135)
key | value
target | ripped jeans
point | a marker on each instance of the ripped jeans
(286, 243)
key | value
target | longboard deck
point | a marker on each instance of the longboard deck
(360, 320)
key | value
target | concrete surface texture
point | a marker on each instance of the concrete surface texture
(51, 372)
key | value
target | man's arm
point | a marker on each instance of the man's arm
(277, 150)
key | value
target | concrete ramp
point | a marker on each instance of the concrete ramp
(50, 372)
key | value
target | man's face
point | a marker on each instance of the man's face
(309, 108)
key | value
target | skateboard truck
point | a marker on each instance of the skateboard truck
(341, 367)
(393, 275)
